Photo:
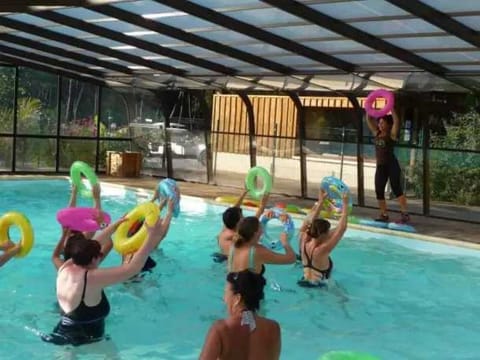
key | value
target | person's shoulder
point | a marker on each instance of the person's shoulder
(270, 325)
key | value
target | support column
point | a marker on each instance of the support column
(301, 136)
(251, 128)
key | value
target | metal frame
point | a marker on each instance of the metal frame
(301, 137)
(257, 33)
(327, 22)
(251, 127)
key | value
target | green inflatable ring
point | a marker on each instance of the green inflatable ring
(76, 170)
(347, 355)
(257, 193)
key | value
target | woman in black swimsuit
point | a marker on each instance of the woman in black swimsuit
(317, 242)
(80, 285)
(388, 168)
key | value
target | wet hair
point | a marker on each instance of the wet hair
(231, 217)
(81, 250)
(250, 287)
(318, 228)
(388, 119)
(247, 227)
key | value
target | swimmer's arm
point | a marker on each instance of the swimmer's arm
(8, 254)
(372, 125)
(240, 199)
(339, 230)
(57, 252)
(212, 348)
(167, 220)
(96, 197)
(263, 205)
(396, 125)
(156, 195)
(270, 257)
(73, 197)
(104, 236)
(314, 211)
(103, 277)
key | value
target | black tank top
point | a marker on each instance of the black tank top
(384, 149)
(84, 313)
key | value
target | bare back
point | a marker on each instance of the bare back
(225, 239)
(236, 342)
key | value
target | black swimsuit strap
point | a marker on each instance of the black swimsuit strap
(84, 285)
(309, 259)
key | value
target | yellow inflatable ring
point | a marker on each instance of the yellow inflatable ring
(14, 218)
(125, 244)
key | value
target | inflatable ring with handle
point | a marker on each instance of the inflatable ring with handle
(252, 174)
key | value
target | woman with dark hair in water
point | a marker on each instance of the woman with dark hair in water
(388, 168)
(317, 241)
(247, 253)
(81, 283)
(244, 334)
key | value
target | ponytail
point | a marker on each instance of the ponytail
(247, 228)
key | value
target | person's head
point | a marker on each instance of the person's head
(243, 291)
(318, 228)
(248, 230)
(82, 251)
(231, 217)
(385, 123)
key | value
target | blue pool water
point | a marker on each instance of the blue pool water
(393, 297)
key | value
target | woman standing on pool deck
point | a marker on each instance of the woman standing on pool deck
(388, 168)
(104, 239)
(317, 242)
(80, 287)
(9, 251)
(244, 334)
(246, 252)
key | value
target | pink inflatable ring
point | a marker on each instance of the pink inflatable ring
(82, 219)
(374, 95)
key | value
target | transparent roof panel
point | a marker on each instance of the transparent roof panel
(358, 9)
(120, 26)
(471, 21)
(226, 4)
(157, 38)
(337, 46)
(147, 7)
(374, 58)
(454, 6)
(302, 32)
(429, 42)
(472, 67)
(473, 56)
(264, 17)
(404, 26)
(83, 14)
(32, 20)
(226, 36)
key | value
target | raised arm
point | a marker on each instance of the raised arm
(57, 252)
(96, 197)
(110, 276)
(270, 257)
(313, 214)
(8, 254)
(240, 199)
(73, 196)
(396, 125)
(372, 124)
(263, 205)
(339, 230)
(167, 220)
(105, 236)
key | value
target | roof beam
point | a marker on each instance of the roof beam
(133, 41)
(54, 50)
(191, 38)
(34, 65)
(257, 33)
(327, 22)
(439, 19)
(89, 46)
(51, 61)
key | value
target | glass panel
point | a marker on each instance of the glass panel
(37, 102)
(114, 119)
(475, 68)
(264, 17)
(78, 115)
(111, 145)
(221, 4)
(454, 6)
(7, 100)
(330, 146)
(302, 32)
(231, 159)
(357, 9)
(147, 7)
(83, 14)
(430, 42)
(32, 20)
(72, 150)
(35, 154)
(225, 36)
(263, 49)
(454, 179)
(473, 56)
(369, 58)
(6, 153)
(471, 21)
(188, 124)
(337, 46)
(404, 26)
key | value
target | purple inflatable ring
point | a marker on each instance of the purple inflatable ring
(374, 95)
(82, 219)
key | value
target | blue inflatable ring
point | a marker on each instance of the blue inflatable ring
(288, 227)
(335, 188)
(167, 188)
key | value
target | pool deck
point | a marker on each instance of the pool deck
(436, 229)
(431, 229)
